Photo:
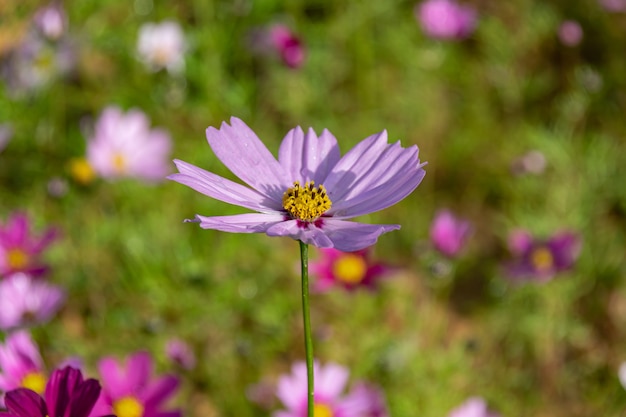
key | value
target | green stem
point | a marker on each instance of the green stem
(308, 339)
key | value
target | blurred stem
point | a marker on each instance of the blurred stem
(308, 339)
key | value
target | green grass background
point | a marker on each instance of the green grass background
(136, 275)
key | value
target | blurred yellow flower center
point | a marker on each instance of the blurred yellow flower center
(17, 258)
(322, 410)
(81, 171)
(306, 203)
(350, 268)
(542, 259)
(127, 407)
(119, 162)
(35, 381)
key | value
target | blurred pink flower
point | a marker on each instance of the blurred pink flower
(179, 352)
(51, 21)
(473, 407)
(129, 390)
(541, 259)
(21, 365)
(621, 374)
(449, 234)
(6, 132)
(349, 270)
(613, 5)
(19, 249)
(570, 33)
(330, 384)
(123, 145)
(25, 301)
(445, 19)
(288, 45)
(162, 45)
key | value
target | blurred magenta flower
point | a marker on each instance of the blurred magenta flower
(66, 395)
(473, 407)
(21, 365)
(287, 44)
(162, 46)
(310, 191)
(179, 352)
(570, 33)
(123, 145)
(445, 19)
(25, 301)
(51, 21)
(449, 234)
(130, 390)
(330, 383)
(613, 5)
(540, 260)
(20, 249)
(349, 270)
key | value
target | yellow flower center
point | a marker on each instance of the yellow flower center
(128, 407)
(542, 259)
(322, 410)
(350, 268)
(306, 203)
(17, 258)
(81, 171)
(119, 162)
(35, 381)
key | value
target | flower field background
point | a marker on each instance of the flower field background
(505, 282)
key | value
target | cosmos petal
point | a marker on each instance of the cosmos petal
(348, 236)
(240, 223)
(239, 148)
(221, 188)
(310, 234)
(308, 157)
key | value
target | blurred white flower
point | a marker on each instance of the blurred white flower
(162, 45)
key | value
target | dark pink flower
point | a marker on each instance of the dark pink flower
(449, 234)
(445, 19)
(541, 259)
(130, 391)
(349, 270)
(66, 395)
(21, 365)
(613, 5)
(20, 249)
(288, 45)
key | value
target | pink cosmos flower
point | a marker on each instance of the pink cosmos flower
(570, 33)
(162, 45)
(179, 352)
(25, 301)
(613, 5)
(51, 21)
(67, 394)
(21, 365)
(449, 234)
(123, 145)
(330, 384)
(310, 191)
(20, 249)
(288, 45)
(473, 407)
(349, 270)
(540, 260)
(129, 391)
(445, 19)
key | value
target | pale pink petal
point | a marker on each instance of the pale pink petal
(310, 234)
(348, 236)
(307, 157)
(240, 223)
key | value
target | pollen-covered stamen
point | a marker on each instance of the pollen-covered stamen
(306, 203)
